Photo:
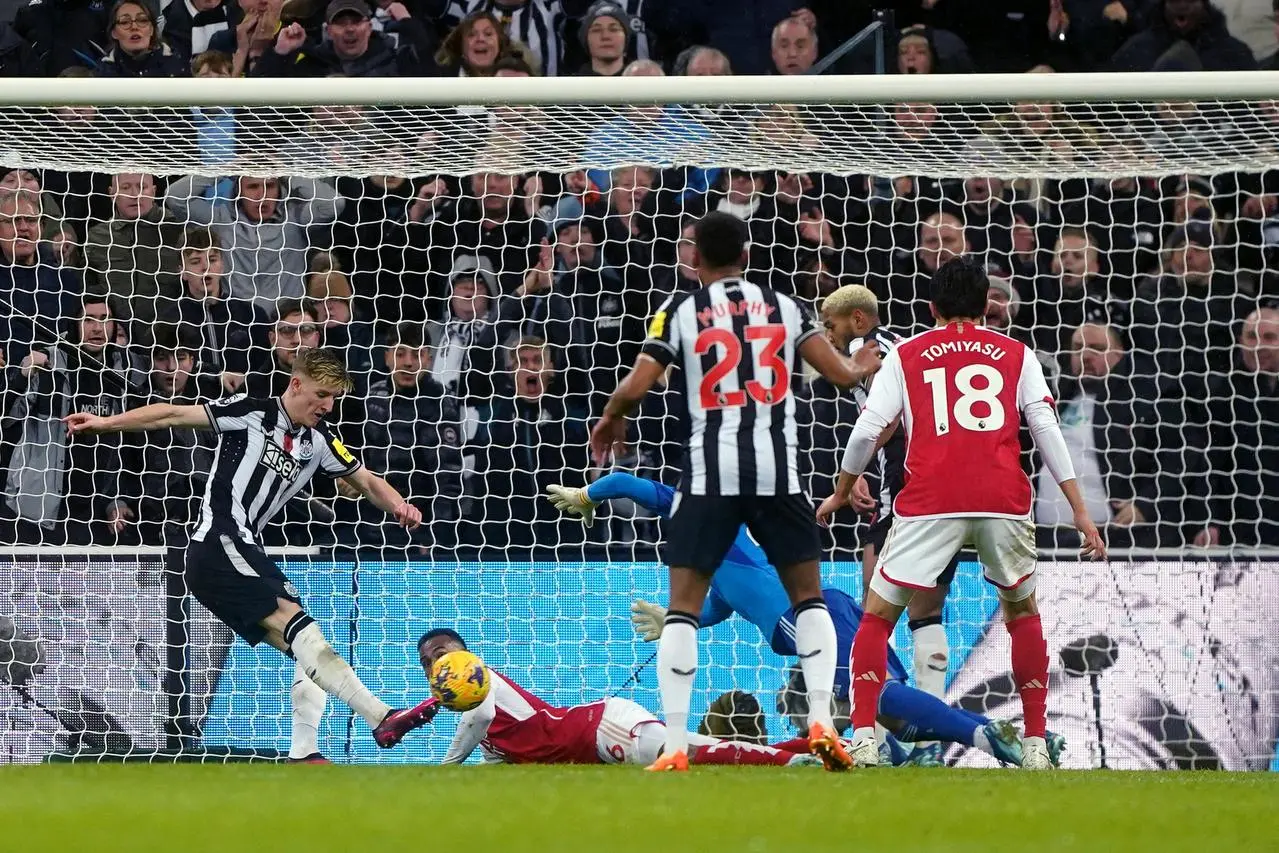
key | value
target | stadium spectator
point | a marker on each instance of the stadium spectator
(134, 256)
(537, 24)
(627, 229)
(903, 288)
(794, 46)
(295, 329)
(413, 433)
(1076, 291)
(1121, 443)
(202, 316)
(533, 441)
(59, 491)
(702, 61)
(353, 49)
(329, 294)
(1095, 29)
(1244, 402)
(606, 34)
(264, 233)
(190, 25)
(63, 34)
(137, 49)
(473, 47)
(1196, 27)
(465, 342)
(253, 26)
(494, 220)
(1186, 314)
(175, 463)
(35, 293)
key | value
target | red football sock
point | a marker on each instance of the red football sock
(732, 752)
(1030, 671)
(799, 745)
(868, 664)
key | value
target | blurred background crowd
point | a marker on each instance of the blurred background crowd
(487, 317)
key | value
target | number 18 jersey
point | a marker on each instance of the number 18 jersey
(737, 347)
(960, 390)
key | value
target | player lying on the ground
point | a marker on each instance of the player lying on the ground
(513, 726)
(268, 450)
(746, 584)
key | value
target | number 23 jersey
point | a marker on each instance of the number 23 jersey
(737, 347)
(960, 390)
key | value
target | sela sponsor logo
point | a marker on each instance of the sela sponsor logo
(275, 458)
(991, 351)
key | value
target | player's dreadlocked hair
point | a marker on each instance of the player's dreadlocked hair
(323, 365)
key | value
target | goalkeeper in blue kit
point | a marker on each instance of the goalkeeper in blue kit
(746, 584)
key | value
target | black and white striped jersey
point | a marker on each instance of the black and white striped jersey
(537, 23)
(263, 459)
(737, 347)
(891, 458)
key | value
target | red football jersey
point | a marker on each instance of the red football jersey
(526, 730)
(960, 390)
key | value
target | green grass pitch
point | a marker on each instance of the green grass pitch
(250, 808)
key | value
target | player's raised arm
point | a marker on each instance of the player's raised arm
(1035, 400)
(142, 419)
(840, 370)
(653, 496)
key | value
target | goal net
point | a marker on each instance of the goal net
(488, 253)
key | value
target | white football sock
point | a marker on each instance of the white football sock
(334, 675)
(815, 642)
(932, 658)
(308, 709)
(676, 669)
(980, 741)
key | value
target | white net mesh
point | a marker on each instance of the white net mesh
(488, 298)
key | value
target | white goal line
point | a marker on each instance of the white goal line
(798, 89)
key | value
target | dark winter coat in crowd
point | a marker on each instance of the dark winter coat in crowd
(64, 33)
(1149, 450)
(160, 61)
(413, 437)
(34, 301)
(1245, 457)
(175, 468)
(222, 331)
(17, 59)
(531, 445)
(1213, 45)
(412, 58)
(56, 485)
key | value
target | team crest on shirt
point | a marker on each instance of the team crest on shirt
(290, 589)
(306, 450)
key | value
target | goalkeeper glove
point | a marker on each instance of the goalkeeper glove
(573, 502)
(647, 619)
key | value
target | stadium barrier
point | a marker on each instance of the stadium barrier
(1158, 661)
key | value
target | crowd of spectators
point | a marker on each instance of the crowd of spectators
(486, 318)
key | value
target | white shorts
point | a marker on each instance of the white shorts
(615, 739)
(917, 551)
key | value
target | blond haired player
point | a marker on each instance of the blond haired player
(268, 450)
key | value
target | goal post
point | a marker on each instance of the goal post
(488, 253)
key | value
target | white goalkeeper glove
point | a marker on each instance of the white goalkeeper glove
(647, 619)
(573, 502)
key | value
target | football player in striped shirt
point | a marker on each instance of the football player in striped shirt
(268, 451)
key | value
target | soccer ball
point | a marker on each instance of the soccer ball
(460, 680)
